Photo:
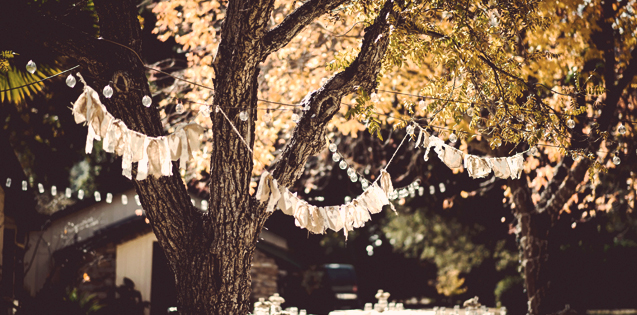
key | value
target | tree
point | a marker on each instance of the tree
(478, 55)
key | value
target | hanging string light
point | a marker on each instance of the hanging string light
(70, 81)
(179, 109)
(410, 130)
(107, 91)
(54, 190)
(67, 193)
(98, 196)
(453, 138)
(570, 123)
(80, 194)
(616, 159)
(243, 115)
(204, 110)
(621, 129)
(267, 117)
(146, 101)
(24, 185)
(109, 198)
(31, 67)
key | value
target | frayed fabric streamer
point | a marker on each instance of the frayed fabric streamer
(476, 167)
(318, 219)
(131, 145)
(516, 164)
(500, 167)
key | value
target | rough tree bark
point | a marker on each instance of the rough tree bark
(210, 253)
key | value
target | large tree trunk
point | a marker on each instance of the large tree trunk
(215, 278)
(210, 253)
(533, 237)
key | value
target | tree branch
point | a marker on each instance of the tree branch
(566, 189)
(309, 135)
(283, 33)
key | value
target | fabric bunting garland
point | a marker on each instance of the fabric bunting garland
(477, 167)
(317, 220)
(153, 154)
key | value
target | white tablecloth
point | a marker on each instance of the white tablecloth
(404, 312)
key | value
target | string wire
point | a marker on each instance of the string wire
(36, 82)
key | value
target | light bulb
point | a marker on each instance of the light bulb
(70, 81)
(109, 198)
(351, 172)
(421, 105)
(179, 109)
(8, 184)
(41, 188)
(616, 160)
(497, 141)
(453, 138)
(353, 178)
(98, 196)
(332, 147)
(204, 110)
(336, 157)
(124, 199)
(470, 111)
(54, 190)
(146, 101)
(374, 97)
(24, 185)
(295, 118)
(107, 91)
(267, 117)
(31, 67)
(342, 165)
(570, 123)
(410, 130)
(364, 184)
(68, 192)
(80, 194)
(243, 116)
(621, 129)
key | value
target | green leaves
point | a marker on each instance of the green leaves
(4, 59)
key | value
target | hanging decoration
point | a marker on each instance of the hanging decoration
(476, 166)
(31, 67)
(153, 154)
(317, 220)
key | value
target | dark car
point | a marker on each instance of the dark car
(336, 289)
